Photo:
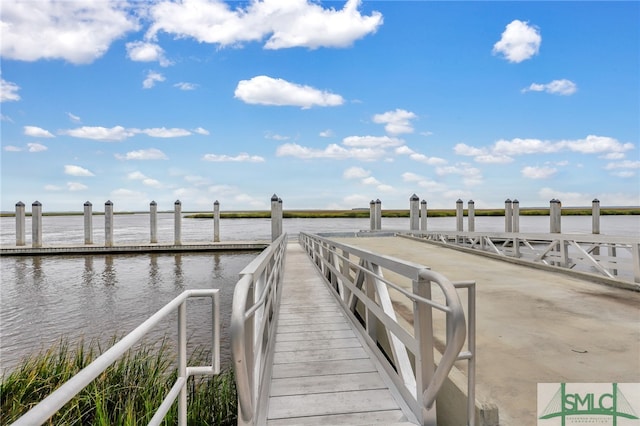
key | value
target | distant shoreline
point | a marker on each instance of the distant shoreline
(364, 213)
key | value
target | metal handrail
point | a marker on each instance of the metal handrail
(52, 403)
(255, 302)
(419, 383)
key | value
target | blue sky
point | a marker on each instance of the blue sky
(327, 104)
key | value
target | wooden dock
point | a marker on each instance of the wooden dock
(322, 373)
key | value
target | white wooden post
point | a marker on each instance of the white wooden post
(274, 217)
(177, 222)
(108, 223)
(20, 224)
(88, 223)
(423, 215)
(471, 216)
(515, 215)
(153, 222)
(216, 221)
(555, 213)
(459, 215)
(508, 216)
(414, 212)
(372, 215)
(378, 214)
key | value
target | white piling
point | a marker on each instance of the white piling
(515, 215)
(423, 215)
(555, 216)
(595, 216)
(20, 224)
(471, 216)
(88, 223)
(153, 222)
(280, 216)
(36, 224)
(459, 215)
(216, 221)
(508, 215)
(378, 214)
(414, 212)
(108, 223)
(177, 222)
(372, 215)
(274, 217)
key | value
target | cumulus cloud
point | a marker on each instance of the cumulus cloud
(76, 186)
(355, 173)
(143, 154)
(141, 51)
(185, 86)
(519, 42)
(326, 133)
(421, 158)
(556, 87)
(285, 24)
(36, 147)
(8, 90)
(78, 32)
(371, 141)
(470, 175)
(144, 179)
(538, 172)
(117, 133)
(266, 90)
(73, 170)
(242, 157)
(151, 79)
(37, 132)
(163, 132)
(201, 131)
(333, 151)
(396, 122)
(12, 148)
(127, 193)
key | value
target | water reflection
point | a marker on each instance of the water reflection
(97, 297)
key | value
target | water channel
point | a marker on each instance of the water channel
(44, 298)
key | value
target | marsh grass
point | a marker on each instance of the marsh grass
(126, 393)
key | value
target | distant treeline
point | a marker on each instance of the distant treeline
(364, 213)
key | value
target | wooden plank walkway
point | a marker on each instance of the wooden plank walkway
(322, 374)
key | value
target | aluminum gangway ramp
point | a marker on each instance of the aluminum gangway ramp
(322, 373)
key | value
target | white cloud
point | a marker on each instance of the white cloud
(147, 181)
(36, 147)
(371, 141)
(286, 23)
(186, 86)
(627, 164)
(370, 181)
(141, 51)
(333, 151)
(73, 117)
(519, 42)
(127, 193)
(72, 170)
(163, 132)
(76, 31)
(396, 122)
(538, 172)
(37, 132)
(385, 188)
(76, 186)
(143, 154)
(117, 133)
(275, 136)
(493, 159)
(151, 79)
(415, 156)
(266, 90)
(411, 177)
(8, 90)
(355, 173)
(470, 175)
(326, 133)
(50, 187)
(556, 87)
(593, 144)
(201, 131)
(520, 146)
(12, 148)
(568, 198)
(242, 157)
(464, 149)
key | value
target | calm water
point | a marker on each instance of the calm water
(43, 298)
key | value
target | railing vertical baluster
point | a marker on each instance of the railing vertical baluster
(423, 330)
(182, 362)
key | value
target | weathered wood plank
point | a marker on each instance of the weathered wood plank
(314, 327)
(324, 384)
(302, 345)
(319, 355)
(317, 368)
(312, 335)
(330, 403)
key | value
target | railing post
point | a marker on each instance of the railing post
(108, 223)
(20, 221)
(153, 222)
(459, 215)
(372, 215)
(414, 212)
(274, 217)
(515, 215)
(378, 214)
(182, 362)
(216, 221)
(508, 216)
(36, 224)
(177, 222)
(555, 213)
(423, 215)
(88, 223)
(424, 362)
(471, 216)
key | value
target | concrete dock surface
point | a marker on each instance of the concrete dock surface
(533, 326)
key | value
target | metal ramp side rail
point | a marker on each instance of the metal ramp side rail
(56, 400)
(356, 277)
(256, 299)
(609, 256)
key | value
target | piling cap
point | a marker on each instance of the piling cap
(423, 202)
(459, 201)
(508, 200)
(516, 201)
(36, 203)
(414, 197)
(595, 200)
(216, 203)
(177, 202)
(88, 204)
(108, 203)
(372, 202)
(280, 200)
(153, 203)
(554, 201)
(19, 204)
(378, 201)
(471, 202)
(274, 197)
